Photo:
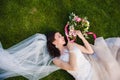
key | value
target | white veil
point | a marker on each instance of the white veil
(28, 58)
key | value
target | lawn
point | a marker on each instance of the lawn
(20, 19)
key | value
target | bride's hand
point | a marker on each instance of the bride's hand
(78, 32)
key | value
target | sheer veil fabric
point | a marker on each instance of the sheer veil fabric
(30, 59)
(106, 59)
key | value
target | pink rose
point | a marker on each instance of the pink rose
(77, 19)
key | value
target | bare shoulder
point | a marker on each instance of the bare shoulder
(70, 45)
(56, 61)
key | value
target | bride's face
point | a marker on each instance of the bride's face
(59, 39)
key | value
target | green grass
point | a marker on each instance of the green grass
(20, 19)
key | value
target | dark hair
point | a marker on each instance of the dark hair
(53, 51)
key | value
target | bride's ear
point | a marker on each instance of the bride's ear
(54, 42)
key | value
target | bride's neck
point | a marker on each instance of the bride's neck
(61, 48)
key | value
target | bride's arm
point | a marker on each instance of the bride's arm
(71, 65)
(86, 48)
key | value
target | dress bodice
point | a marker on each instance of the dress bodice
(83, 66)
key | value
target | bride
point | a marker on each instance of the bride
(102, 66)
(70, 57)
(31, 59)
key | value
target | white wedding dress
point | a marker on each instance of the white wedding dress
(84, 69)
(104, 64)
(30, 59)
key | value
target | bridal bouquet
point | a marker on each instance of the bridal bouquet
(77, 23)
